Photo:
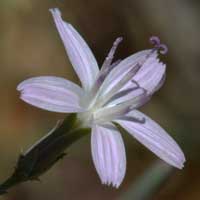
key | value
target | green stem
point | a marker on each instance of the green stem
(45, 153)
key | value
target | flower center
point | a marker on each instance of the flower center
(100, 102)
(89, 103)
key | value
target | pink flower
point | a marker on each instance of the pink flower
(108, 96)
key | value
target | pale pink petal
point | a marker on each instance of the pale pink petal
(108, 154)
(151, 75)
(79, 53)
(155, 138)
(51, 93)
(51, 80)
(122, 70)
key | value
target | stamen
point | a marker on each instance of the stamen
(126, 78)
(115, 63)
(133, 119)
(109, 113)
(163, 49)
(120, 94)
(133, 102)
(154, 40)
(111, 53)
(107, 66)
(138, 86)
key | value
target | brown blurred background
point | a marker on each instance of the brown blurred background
(30, 46)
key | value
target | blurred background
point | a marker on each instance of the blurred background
(30, 46)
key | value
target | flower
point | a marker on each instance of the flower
(109, 98)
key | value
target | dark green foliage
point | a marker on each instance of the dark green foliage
(45, 153)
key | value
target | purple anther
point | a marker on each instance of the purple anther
(117, 41)
(157, 45)
(154, 40)
(107, 62)
(163, 49)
